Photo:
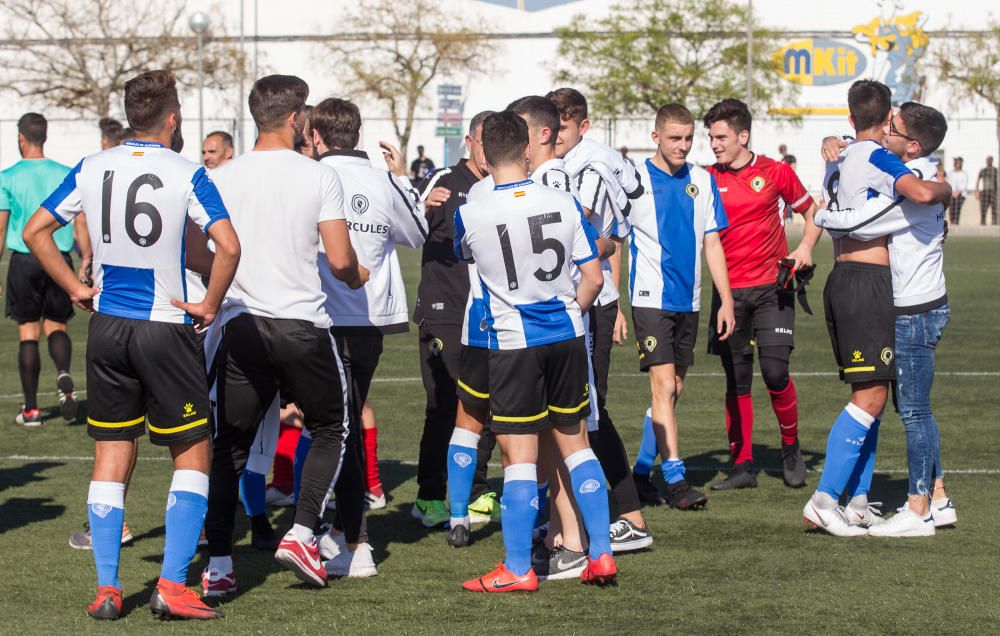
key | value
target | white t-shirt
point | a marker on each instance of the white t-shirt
(277, 200)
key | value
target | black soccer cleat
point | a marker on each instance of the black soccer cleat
(793, 466)
(683, 497)
(67, 397)
(459, 536)
(646, 489)
(262, 534)
(741, 476)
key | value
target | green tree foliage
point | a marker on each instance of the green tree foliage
(649, 52)
(972, 66)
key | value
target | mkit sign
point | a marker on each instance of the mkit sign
(820, 62)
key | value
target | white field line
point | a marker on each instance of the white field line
(407, 462)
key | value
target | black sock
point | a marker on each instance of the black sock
(61, 350)
(29, 365)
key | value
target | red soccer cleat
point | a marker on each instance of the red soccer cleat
(600, 571)
(503, 580)
(108, 604)
(302, 559)
(173, 600)
(217, 583)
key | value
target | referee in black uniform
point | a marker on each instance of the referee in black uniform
(441, 300)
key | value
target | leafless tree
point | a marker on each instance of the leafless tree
(411, 44)
(78, 54)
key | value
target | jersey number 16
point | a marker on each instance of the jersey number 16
(133, 209)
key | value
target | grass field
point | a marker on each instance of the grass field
(745, 565)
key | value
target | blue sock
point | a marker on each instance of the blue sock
(106, 513)
(591, 494)
(843, 449)
(543, 503)
(673, 470)
(187, 504)
(520, 487)
(647, 448)
(301, 451)
(461, 470)
(252, 487)
(861, 479)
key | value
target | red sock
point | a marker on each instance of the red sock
(739, 427)
(786, 408)
(374, 483)
(284, 455)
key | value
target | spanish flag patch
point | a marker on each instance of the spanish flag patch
(138, 153)
(519, 193)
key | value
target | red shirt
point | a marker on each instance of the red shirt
(755, 240)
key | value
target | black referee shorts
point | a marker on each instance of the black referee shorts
(144, 374)
(32, 295)
(765, 316)
(857, 300)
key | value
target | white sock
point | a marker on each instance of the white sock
(859, 502)
(302, 533)
(461, 521)
(222, 564)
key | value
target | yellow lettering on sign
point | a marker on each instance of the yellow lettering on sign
(822, 60)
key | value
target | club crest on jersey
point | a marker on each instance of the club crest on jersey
(692, 190)
(435, 346)
(758, 183)
(359, 203)
(650, 343)
(886, 356)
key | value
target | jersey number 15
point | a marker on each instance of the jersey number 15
(133, 210)
(539, 245)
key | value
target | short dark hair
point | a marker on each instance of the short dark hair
(338, 122)
(735, 113)
(869, 102)
(505, 138)
(570, 102)
(149, 97)
(274, 97)
(226, 138)
(789, 159)
(540, 112)
(676, 113)
(477, 120)
(34, 128)
(925, 124)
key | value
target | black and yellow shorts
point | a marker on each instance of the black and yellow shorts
(474, 377)
(861, 321)
(144, 374)
(533, 388)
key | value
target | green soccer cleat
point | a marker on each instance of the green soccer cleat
(484, 509)
(431, 513)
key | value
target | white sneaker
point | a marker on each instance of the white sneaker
(373, 502)
(944, 513)
(868, 517)
(278, 499)
(355, 564)
(831, 520)
(330, 544)
(942, 510)
(905, 524)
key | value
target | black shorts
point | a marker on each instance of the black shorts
(474, 377)
(144, 374)
(765, 317)
(664, 337)
(32, 295)
(538, 386)
(857, 300)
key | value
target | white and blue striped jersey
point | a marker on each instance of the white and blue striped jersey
(138, 198)
(524, 237)
(552, 174)
(864, 171)
(669, 222)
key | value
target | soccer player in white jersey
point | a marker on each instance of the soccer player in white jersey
(523, 237)
(916, 259)
(606, 185)
(862, 334)
(144, 366)
(276, 332)
(383, 210)
(677, 218)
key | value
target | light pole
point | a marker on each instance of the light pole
(199, 24)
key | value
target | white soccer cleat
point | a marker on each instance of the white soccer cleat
(831, 520)
(867, 517)
(355, 564)
(905, 524)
